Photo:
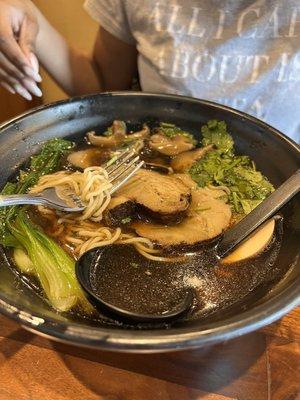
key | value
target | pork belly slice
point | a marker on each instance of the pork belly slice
(152, 196)
(207, 217)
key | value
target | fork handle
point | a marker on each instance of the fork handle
(19, 199)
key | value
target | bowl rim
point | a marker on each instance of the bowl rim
(152, 341)
(149, 341)
(167, 96)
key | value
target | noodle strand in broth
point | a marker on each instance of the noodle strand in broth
(86, 231)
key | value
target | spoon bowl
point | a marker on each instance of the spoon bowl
(87, 263)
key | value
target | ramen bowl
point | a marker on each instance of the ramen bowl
(274, 154)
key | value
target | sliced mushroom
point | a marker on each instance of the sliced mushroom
(118, 136)
(163, 169)
(88, 158)
(142, 134)
(138, 138)
(114, 140)
(170, 146)
(184, 161)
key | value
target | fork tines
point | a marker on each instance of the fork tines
(124, 167)
(112, 164)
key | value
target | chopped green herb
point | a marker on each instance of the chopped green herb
(108, 132)
(112, 160)
(223, 198)
(130, 139)
(215, 132)
(167, 125)
(202, 209)
(116, 126)
(134, 265)
(171, 130)
(221, 167)
(126, 220)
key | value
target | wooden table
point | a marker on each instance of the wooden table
(263, 365)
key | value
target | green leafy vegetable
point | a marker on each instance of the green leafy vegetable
(215, 132)
(109, 131)
(221, 167)
(46, 162)
(23, 262)
(49, 157)
(35, 252)
(7, 214)
(54, 268)
(43, 163)
(171, 130)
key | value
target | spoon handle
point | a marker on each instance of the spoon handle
(260, 214)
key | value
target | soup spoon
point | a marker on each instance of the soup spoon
(225, 245)
(94, 258)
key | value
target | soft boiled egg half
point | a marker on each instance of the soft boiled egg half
(253, 244)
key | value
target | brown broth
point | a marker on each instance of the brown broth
(135, 283)
(130, 281)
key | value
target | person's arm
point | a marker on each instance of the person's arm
(24, 32)
(111, 66)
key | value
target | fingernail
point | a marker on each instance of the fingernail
(33, 88)
(8, 87)
(37, 77)
(22, 92)
(32, 74)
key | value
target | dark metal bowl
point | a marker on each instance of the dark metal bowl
(275, 155)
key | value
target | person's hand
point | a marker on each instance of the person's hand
(19, 67)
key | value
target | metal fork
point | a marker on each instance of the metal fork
(119, 169)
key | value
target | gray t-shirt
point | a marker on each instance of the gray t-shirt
(242, 53)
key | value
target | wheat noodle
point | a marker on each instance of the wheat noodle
(86, 231)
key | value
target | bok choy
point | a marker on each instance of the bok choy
(52, 265)
(34, 251)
